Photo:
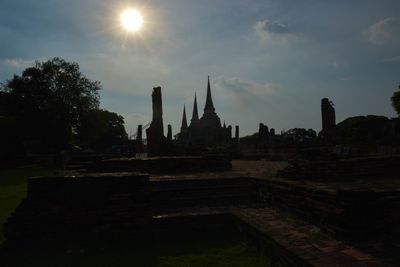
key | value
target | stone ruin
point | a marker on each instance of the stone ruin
(265, 137)
(111, 206)
(155, 133)
(202, 133)
(139, 141)
(328, 119)
(206, 131)
(128, 205)
(119, 203)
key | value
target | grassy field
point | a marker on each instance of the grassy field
(208, 250)
(13, 184)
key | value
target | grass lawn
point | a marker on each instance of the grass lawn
(206, 250)
(13, 184)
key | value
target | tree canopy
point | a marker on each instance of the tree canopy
(54, 86)
(101, 130)
(49, 103)
(396, 101)
(301, 135)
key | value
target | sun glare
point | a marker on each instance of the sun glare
(131, 20)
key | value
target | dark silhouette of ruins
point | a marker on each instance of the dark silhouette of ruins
(155, 133)
(265, 137)
(328, 119)
(202, 133)
(133, 198)
(139, 146)
(206, 131)
(359, 134)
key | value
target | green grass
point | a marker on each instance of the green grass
(13, 185)
(231, 255)
(209, 250)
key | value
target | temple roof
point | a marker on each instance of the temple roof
(184, 121)
(209, 103)
(195, 115)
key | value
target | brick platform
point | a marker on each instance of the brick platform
(352, 209)
(290, 241)
(303, 240)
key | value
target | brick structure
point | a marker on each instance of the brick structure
(155, 133)
(328, 118)
(207, 130)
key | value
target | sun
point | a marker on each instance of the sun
(131, 20)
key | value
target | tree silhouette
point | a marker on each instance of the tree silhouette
(101, 130)
(301, 136)
(48, 102)
(396, 101)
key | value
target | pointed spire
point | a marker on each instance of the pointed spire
(209, 103)
(195, 115)
(184, 121)
(224, 125)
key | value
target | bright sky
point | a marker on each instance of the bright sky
(270, 61)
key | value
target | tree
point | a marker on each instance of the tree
(48, 101)
(396, 101)
(101, 130)
(301, 136)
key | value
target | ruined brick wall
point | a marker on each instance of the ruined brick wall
(91, 206)
(348, 214)
(155, 133)
(328, 117)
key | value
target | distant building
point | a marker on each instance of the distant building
(206, 131)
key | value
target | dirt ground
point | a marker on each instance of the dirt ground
(265, 169)
(258, 168)
(240, 168)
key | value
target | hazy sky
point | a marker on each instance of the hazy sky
(270, 61)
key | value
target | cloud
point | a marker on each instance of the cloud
(346, 78)
(274, 27)
(384, 31)
(267, 30)
(335, 64)
(241, 87)
(17, 63)
(395, 59)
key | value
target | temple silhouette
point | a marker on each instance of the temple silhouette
(206, 131)
(201, 134)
